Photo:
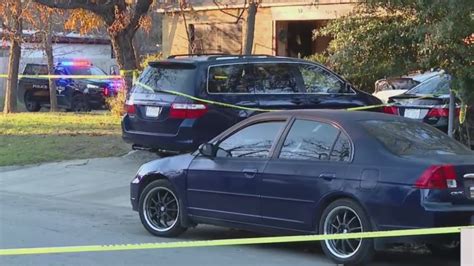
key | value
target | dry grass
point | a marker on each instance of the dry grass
(27, 138)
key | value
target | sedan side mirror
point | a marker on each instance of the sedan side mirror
(207, 149)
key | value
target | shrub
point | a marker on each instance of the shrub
(116, 104)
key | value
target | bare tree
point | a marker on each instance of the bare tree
(45, 22)
(251, 14)
(13, 12)
(122, 19)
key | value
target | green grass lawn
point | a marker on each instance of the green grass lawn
(27, 138)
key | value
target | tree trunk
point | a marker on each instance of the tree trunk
(13, 68)
(124, 50)
(48, 48)
(251, 14)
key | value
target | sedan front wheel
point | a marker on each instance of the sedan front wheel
(160, 209)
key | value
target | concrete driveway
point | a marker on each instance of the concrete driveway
(104, 181)
(86, 202)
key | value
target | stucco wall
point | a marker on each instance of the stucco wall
(175, 37)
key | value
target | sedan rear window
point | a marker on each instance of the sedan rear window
(155, 79)
(405, 138)
(437, 85)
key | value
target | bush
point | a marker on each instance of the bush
(116, 104)
(319, 58)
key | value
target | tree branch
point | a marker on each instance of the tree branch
(141, 9)
(99, 7)
(222, 9)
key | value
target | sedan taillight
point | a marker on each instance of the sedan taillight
(393, 110)
(441, 112)
(437, 177)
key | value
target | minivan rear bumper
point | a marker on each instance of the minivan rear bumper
(183, 141)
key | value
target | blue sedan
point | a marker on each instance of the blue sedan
(313, 172)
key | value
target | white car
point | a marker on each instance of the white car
(386, 88)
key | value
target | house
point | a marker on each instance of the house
(283, 28)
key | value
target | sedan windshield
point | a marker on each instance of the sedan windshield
(403, 137)
(436, 85)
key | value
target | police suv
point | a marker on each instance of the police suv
(73, 94)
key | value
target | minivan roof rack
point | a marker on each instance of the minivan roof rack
(222, 57)
(194, 55)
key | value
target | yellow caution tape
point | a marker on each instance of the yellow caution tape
(67, 76)
(205, 100)
(462, 113)
(231, 242)
(134, 72)
(360, 108)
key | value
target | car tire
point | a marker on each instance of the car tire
(79, 104)
(30, 104)
(346, 216)
(160, 209)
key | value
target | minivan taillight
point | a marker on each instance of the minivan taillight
(441, 112)
(437, 177)
(187, 110)
(393, 110)
(130, 109)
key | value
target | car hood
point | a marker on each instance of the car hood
(166, 166)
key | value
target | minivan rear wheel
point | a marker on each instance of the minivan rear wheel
(160, 209)
(346, 216)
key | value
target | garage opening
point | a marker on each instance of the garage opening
(295, 38)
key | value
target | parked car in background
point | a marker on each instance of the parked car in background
(77, 95)
(314, 172)
(427, 102)
(164, 114)
(386, 88)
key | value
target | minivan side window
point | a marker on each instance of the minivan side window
(309, 140)
(229, 79)
(254, 141)
(277, 78)
(319, 80)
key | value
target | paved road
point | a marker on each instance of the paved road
(85, 202)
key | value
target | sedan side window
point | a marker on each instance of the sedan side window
(254, 141)
(342, 149)
(319, 80)
(309, 140)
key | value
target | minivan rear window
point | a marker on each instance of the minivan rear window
(405, 138)
(159, 78)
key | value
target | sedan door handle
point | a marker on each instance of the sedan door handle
(327, 176)
(250, 173)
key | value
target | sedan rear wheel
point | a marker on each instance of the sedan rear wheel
(160, 209)
(341, 217)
